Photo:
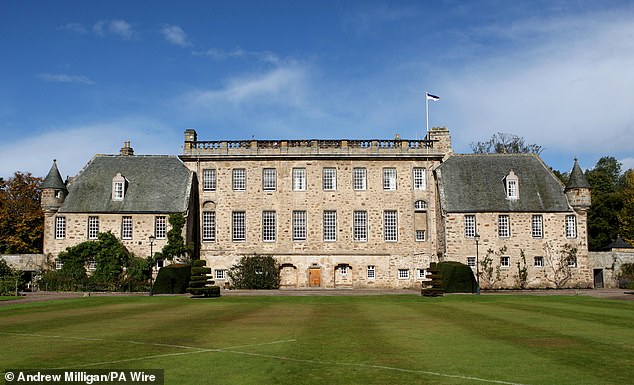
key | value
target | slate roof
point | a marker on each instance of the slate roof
(155, 184)
(577, 178)
(475, 183)
(53, 179)
(619, 243)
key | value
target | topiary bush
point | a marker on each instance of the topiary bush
(435, 288)
(172, 279)
(457, 277)
(200, 284)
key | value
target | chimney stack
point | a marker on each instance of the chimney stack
(126, 150)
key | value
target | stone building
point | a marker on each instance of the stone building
(375, 213)
(131, 196)
(337, 213)
(522, 217)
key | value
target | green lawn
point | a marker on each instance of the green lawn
(330, 340)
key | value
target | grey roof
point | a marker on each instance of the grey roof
(618, 243)
(53, 179)
(475, 183)
(577, 179)
(154, 183)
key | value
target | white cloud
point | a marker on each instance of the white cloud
(376, 15)
(73, 27)
(118, 28)
(569, 90)
(175, 35)
(74, 146)
(239, 53)
(65, 78)
(283, 83)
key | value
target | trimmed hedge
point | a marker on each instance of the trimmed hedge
(200, 285)
(435, 287)
(172, 279)
(457, 277)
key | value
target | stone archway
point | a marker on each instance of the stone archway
(288, 275)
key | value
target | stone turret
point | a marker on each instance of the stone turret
(53, 190)
(578, 189)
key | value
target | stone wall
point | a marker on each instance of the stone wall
(608, 264)
(549, 246)
(77, 232)
(386, 256)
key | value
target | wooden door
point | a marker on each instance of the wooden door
(314, 277)
(598, 278)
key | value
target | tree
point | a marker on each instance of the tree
(176, 247)
(607, 202)
(21, 216)
(559, 264)
(111, 256)
(502, 143)
(256, 272)
(9, 279)
(626, 215)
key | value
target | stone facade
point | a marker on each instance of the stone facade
(544, 257)
(314, 261)
(339, 213)
(374, 261)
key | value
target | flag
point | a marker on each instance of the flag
(431, 97)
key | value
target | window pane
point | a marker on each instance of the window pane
(360, 224)
(159, 228)
(299, 179)
(299, 225)
(268, 226)
(209, 179)
(504, 229)
(419, 178)
(239, 179)
(537, 223)
(269, 179)
(60, 228)
(93, 227)
(390, 228)
(239, 226)
(469, 226)
(389, 179)
(359, 178)
(330, 226)
(209, 226)
(126, 228)
(330, 178)
(571, 226)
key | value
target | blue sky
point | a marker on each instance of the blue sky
(79, 78)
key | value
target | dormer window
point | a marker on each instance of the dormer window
(512, 186)
(118, 187)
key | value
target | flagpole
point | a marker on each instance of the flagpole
(427, 113)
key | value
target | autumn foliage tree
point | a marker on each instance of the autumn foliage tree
(21, 216)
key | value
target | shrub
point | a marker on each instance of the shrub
(435, 289)
(200, 284)
(256, 272)
(172, 279)
(457, 277)
(625, 276)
